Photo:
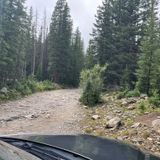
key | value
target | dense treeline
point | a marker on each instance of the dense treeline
(126, 37)
(27, 49)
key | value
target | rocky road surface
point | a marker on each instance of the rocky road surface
(54, 112)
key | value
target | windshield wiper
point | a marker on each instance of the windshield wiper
(44, 151)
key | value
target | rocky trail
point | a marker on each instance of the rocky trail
(59, 112)
(54, 112)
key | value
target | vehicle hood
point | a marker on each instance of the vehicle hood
(96, 148)
(9, 152)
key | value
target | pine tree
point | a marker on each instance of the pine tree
(77, 57)
(60, 44)
(147, 72)
(117, 32)
(45, 49)
(90, 58)
(39, 56)
(29, 43)
(12, 40)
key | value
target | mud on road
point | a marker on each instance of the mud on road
(54, 112)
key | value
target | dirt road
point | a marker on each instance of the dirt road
(55, 112)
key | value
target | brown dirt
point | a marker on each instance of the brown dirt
(147, 119)
(55, 112)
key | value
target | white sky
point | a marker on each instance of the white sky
(82, 12)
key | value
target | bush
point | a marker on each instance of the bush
(48, 85)
(155, 99)
(134, 93)
(27, 87)
(128, 94)
(142, 107)
(91, 82)
(122, 94)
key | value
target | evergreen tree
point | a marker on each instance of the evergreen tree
(29, 43)
(77, 57)
(117, 33)
(90, 58)
(45, 57)
(12, 40)
(39, 56)
(148, 71)
(60, 44)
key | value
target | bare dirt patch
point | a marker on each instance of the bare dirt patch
(147, 119)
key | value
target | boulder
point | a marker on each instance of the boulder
(132, 100)
(95, 117)
(114, 123)
(128, 101)
(131, 108)
(32, 116)
(109, 117)
(4, 90)
(136, 125)
(124, 102)
(85, 107)
(48, 116)
(156, 124)
(144, 96)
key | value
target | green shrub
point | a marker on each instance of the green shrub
(91, 82)
(122, 94)
(134, 93)
(14, 94)
(27, 87)
(142, 107)
(128, 94)
(155, 101)
(32, 85)
(48, 85)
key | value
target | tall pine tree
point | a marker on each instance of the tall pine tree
(77, 57)
(148, 63)
(12, 40)
(116, 36)
(60, 44)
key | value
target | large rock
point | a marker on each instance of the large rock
(136, 125)
(126, 102)
(156, 124)
(32, 116)
(144, 96)
(131, 108)
(114, 123)
(4, 90)
(95, 117)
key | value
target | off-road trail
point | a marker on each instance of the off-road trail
(54, 112)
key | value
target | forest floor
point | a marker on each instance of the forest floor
(53, 112)
(59, 112)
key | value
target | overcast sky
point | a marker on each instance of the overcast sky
(82, 12)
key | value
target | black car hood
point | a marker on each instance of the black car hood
(9, 152)
(93, 147)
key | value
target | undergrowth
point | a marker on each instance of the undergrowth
(25, 88)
